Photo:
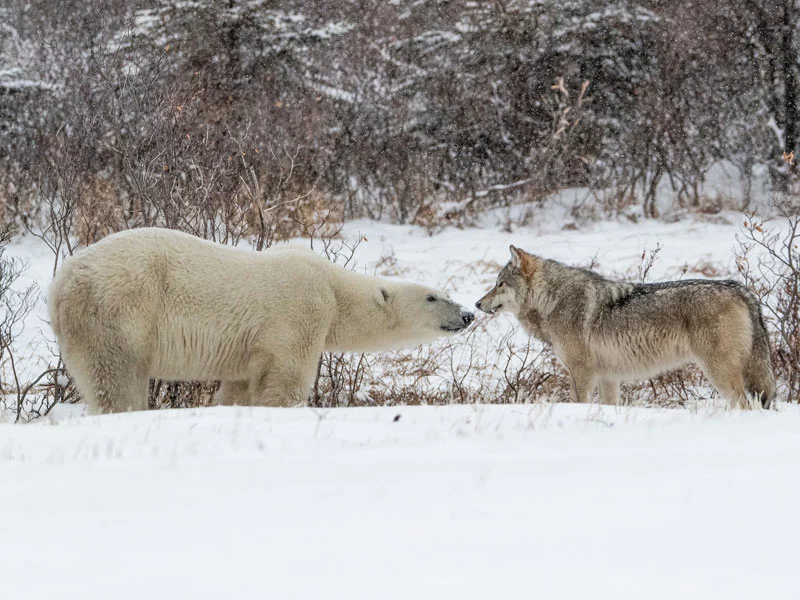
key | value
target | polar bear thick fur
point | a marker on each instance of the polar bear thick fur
(157, 303)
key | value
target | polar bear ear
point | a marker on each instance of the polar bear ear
(382, 296)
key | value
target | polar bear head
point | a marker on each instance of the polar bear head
(418, 314)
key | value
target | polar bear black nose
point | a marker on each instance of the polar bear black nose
(467, 317)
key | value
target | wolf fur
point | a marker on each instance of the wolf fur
(606, 332)
(156, 303)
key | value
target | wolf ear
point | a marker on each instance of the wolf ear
(517, 256)
(522, 260)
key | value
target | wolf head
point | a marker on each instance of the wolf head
(512, 285)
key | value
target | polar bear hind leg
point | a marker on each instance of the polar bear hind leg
(110, 375)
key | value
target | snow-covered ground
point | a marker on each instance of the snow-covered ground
(549, 501)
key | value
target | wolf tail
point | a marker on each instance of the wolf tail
(759, 378)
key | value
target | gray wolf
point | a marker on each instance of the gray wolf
(156, 303)
(606, 332)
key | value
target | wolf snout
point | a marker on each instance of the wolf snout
(467, 318)
(487, 309)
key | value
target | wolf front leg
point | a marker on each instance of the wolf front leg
(581, 382)
(609, 391)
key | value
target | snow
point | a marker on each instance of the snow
(331, 91)
(552, 501)
(13, 79)
(330, 30)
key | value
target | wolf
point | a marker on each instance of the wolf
(606, 332)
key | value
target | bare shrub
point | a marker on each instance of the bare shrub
(340, 376)
(530, 373)
(36, 397)
(679, 388)
(174, 394)
(340, 379)
(768, 260)
(15, 306)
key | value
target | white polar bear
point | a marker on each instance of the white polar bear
(157, 303)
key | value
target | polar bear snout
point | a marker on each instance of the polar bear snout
(462, 321)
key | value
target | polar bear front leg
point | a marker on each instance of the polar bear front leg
(233, 393)
(285, 383)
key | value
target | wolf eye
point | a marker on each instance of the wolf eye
(501, 284)
(431, 298)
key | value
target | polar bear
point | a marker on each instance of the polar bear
(156, 303)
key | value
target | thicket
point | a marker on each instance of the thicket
(182, 113)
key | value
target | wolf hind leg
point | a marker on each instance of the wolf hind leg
(609, 391)
(728, 379)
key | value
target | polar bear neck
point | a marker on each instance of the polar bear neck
(363, 322)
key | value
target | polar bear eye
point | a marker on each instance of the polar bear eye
(431, 298)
